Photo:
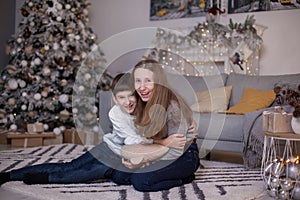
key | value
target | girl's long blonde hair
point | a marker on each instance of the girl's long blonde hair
(151, 116)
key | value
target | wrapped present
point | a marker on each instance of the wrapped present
(35, 128)
(80, 137)
(28, 140)
(58, 139)
(277, 121)
(72, 136)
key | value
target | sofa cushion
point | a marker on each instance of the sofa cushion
(217, 126)
(253, 100)
(187, 86)
(240, 81)
(212, 100)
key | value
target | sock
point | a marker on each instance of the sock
(4, 177)
(188, 179)
(35, 178)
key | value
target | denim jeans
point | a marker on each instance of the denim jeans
(165, 178)
(87, 167)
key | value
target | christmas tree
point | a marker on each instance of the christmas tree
(52, 41)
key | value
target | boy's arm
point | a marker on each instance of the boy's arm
(124, 126)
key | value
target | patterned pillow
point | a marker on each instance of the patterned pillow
(213, 100)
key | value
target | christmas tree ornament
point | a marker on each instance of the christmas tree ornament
(11, 69)
(24, 107)
(46, 47)
(62, 128)
(28, 49)
(96, 129)
(24, 12)
(55, 46)
(24, 94)
(37, 61)
(31, 114)
(58, 18)
(12, 84)
(37, 96)
(11, 101)
(87, 76)
(75, 110)
(57, 131)
(64, 83)
(22, 83)
(46, 71)
(63, 98)
(46, 127)
(19, 40)
(24, 63)
(64, 114)
(13, 127)
(81, 88)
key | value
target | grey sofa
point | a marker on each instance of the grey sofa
(217, 131)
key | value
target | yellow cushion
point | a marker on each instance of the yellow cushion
(253, 100)
(213, 100)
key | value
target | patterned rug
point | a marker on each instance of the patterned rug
(217, 180)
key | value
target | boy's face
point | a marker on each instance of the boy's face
(126, 100)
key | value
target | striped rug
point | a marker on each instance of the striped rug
(217, 180)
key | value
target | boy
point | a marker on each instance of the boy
(120, 115)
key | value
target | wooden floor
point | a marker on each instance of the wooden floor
(230, 157)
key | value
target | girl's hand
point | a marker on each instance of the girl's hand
(176, 141)
(193, 127)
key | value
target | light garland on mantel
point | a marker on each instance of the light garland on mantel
(210, 49)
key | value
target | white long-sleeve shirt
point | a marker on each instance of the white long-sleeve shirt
(123, 132)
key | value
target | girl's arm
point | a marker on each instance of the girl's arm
(176, 141)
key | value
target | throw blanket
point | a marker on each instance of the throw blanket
(254, 137)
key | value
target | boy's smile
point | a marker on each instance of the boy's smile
(126, 100)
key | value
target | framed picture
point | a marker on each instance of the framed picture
(174, 9)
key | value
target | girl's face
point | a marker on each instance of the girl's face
(144, 83)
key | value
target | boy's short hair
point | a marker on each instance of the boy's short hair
(122, 82)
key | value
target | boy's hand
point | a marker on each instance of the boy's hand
(129, 165)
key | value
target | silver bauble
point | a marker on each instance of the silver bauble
(274, 183)
(296, 192)
(282, 194)
(286, 184)
(273, 192)
(293, 171)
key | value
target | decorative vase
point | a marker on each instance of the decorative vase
(296, 124)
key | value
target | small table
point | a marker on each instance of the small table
(281, 145)
(279, 149)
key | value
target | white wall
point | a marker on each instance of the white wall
(280, 52)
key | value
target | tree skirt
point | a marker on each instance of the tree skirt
(216, 181)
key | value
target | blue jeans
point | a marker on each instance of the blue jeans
(85, 168)
(170, 176)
